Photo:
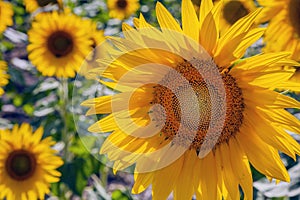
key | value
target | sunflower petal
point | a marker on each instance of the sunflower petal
(190, 23)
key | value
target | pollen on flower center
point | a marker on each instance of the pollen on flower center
(122, 4)
(60, 43)
(200, 104)
(43, 3)
(20, 165)
(294, 15)
(233, 11)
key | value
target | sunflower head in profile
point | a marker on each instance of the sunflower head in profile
(3, 76)
(33, 5)
(233, 10)
(6, 15)
(283, 31)
(122, 9)
(97, 36)
(28, 163)
(58, 43)
(188, 112)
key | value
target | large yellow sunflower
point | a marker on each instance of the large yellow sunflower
(28, 164)
(6, 14)
(58, 43)
(283, 31)
(122, 9)
(188, 112)
(33, 5)
(3, 76)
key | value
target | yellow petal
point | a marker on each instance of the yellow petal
(209, 179)
(208, 33)
(164, 179)
(142, 181)
(190, 23)
(229, 177)
(182, 189)
(205, 8)
(241, 167)
(165, 19)
(262, 156)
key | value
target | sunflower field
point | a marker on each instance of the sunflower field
(143, 99)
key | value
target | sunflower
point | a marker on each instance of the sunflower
(122, 9)
(3, 76)
(283, 31)
(58, 43)
(233, 10)
(6, 14)
(33, 5)
(97, 37)
(188, 112)
(28, 164)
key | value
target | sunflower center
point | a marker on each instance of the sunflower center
(60, 43)
(233, 11)
(188, 106)
(20, 165)
(294, 15)
(122, 4)
(43, 3)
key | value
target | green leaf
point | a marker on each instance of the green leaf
(77, 173)
(119, 195)
(29, 109)
(18, 101)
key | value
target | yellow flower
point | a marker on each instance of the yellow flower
(28, 164)
(191, 120)
(3, 76)
(122, 9)
(233, 10)
(58, 43)
(97, 37)
(283, 31)
(6, 14)
(33, 5)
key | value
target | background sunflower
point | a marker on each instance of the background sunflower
(122, 9)
(97, 36)
(6, 14)
(59, 49)
(233, 10)
(29, 164)
(33, 5)
(283, 30)
(3, 76)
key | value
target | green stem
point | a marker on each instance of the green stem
(64, 101)
(104, 176)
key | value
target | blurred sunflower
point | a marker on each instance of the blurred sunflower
(191, 120)
(6, 14)
(3, 76)
(58, 43)
(28, 164)
(283, 31)
(122, 9)
(233, 10)
(97, 37)
(33, 5)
